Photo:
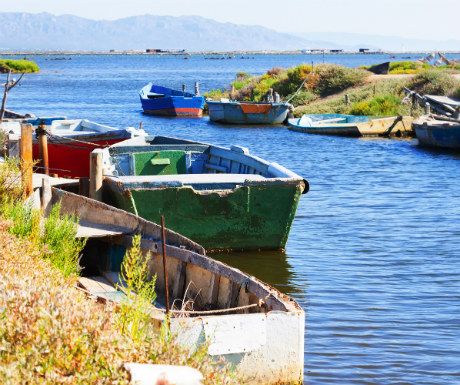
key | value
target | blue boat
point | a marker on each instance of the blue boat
(236, 112)
(158, 100)
(437, 133)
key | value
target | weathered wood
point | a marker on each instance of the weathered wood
(95, 178)
(43, 147)
(26, 158)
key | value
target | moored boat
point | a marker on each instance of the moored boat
(245, 321)
(223, 198)
(437, 132)
(353, 126)
(238, 112)
(69, 141)
(158, 100)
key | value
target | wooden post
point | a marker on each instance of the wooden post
(43, 146)
(374, 90)
(427, 109)
(95, 175)
(165, 269)
(26, 158)
(183, 87)
(347, 99)
(197, 89)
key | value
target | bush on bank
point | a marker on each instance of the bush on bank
(19, 65)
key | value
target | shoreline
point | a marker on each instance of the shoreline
(204, 53)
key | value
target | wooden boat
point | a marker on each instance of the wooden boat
(157, 100)
(69, 141)
(223, 198)
(235, 112)
(353, 126)
(437, 132)
(247, 322)
(380, 69)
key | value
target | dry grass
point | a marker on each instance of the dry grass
(51, 334)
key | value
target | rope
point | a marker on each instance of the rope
(298, 90)
(244, 282)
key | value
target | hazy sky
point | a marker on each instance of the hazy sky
(426, 19)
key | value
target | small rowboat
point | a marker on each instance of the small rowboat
(235, 112)
(70, 141)
(244, 320)
(157, 100)
(353, 126)
(440, 133)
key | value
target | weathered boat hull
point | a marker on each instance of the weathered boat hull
(437, 133)
(70, 142)
(248, 217)
(245, 321)
(172, 103)
(222, 198)
(355, 126)
(247, 113)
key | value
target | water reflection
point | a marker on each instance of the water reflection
(271, 267)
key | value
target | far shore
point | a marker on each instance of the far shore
(223, 53)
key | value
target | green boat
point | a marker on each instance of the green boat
(222, 198)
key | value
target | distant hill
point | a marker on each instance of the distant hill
(44, 31)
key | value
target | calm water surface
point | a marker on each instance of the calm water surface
(374, 252)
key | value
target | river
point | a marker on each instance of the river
(374, 251)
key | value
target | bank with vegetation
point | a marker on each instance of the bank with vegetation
(20, 66)
(52, 333)
(322, 88)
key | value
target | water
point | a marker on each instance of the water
(374, 252)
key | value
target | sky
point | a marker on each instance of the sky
(420, 19)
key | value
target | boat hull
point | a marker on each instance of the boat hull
(174, 106)
(355, 127)
(438, 134)
(163, 101)
(248, 217)
(69, 156)
(243, 320)
(247, 113)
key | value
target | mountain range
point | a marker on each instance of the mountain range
(44, 31)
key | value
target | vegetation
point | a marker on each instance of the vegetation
(51, 333)
(433, 82)
(301, 84)
(19, 65)
(415, 67)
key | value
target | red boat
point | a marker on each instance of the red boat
(69, 142)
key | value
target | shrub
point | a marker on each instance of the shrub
(388, 105)
(335, 78)
(433, 82)
(407, 67)
(20, 65)
(303, 97)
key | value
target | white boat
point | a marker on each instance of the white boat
(244, 320)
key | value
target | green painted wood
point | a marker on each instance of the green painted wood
(159, 163)
(248, 217)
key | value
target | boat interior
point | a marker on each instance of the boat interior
(178, 162)
(196, 283)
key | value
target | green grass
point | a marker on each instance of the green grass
(19, 65)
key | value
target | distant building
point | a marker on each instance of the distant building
(336, 50)
(364, 50)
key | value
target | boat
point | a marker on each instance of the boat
(70, 141)
(244, 320)
(158, 100)
(222, 198)
(238, 112)
(437, 132)
(353, 126)
(380, 69)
